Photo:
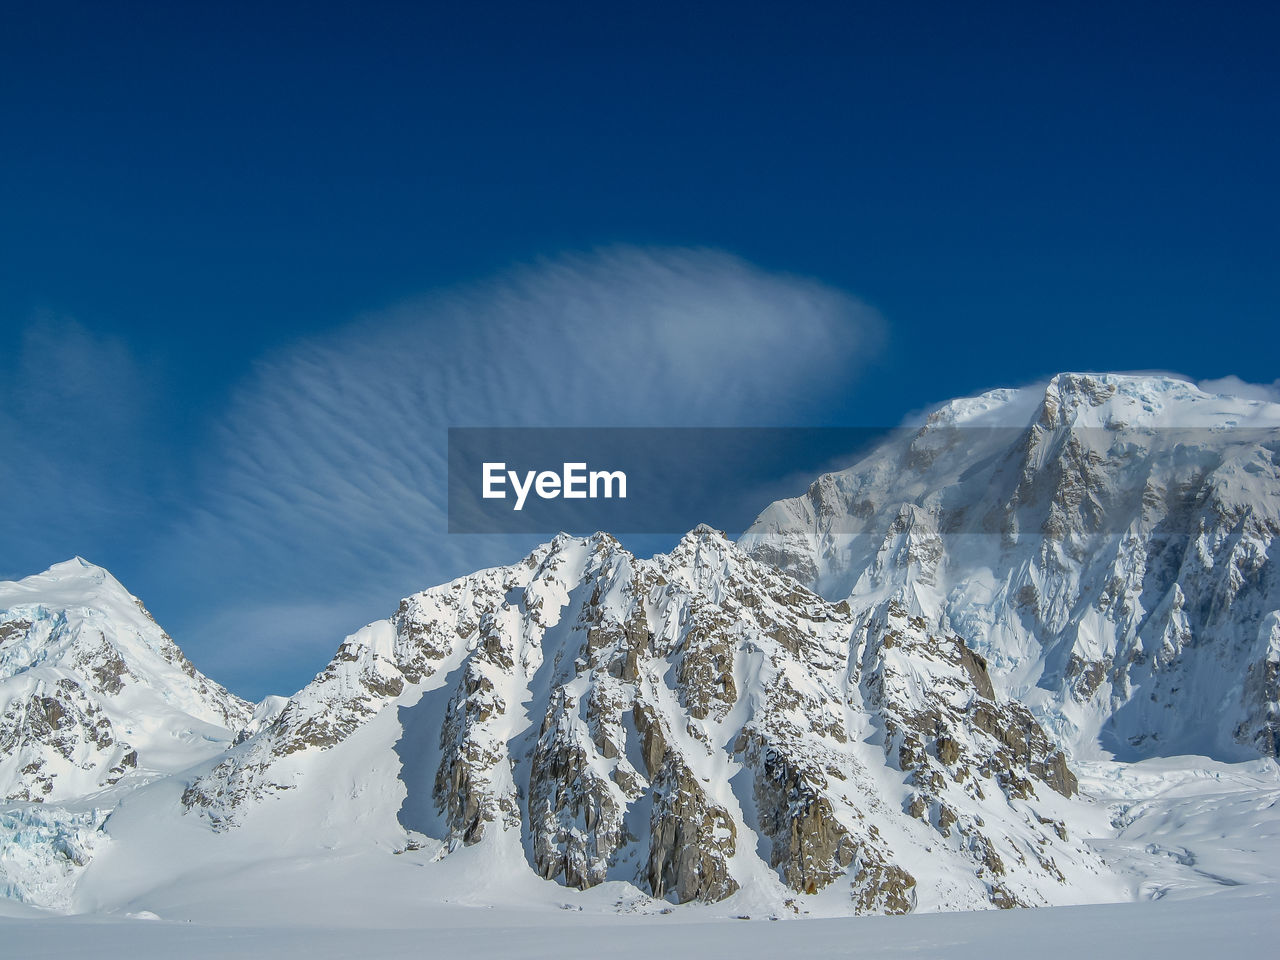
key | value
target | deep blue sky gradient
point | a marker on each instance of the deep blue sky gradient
(1018, 189)
(215, 179)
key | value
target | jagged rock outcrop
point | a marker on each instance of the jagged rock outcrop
(808, 844)
(57, 728)
(692, 839)
(369, 671)
(671, 722)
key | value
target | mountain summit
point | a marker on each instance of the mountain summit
(1104, 541)
(92, 689)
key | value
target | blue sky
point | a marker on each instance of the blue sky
(254, 261)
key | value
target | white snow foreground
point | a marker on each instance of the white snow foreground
(1237, 923)
(516, 753)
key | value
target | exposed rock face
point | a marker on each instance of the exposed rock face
(576, 817)
(956, 743)
(469, 788)
(809, 845)
(691, 839)
(370, 670)
(59, 728)
(881, 888)
(670, 721)
(1105, 543)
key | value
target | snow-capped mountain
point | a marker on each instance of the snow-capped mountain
(900, 692)
(695, 725)
(93, 690)
(1105, 542)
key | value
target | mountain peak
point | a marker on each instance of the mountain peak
(76, 566)
(92, 687)
(1121, 535)
(77, 569)
(1104, 400)
(704, 533)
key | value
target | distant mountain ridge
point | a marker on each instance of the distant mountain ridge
(1105, 541)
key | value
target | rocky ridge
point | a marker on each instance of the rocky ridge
(690, 724)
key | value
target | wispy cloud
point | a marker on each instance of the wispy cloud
(73, 408)
(328, 472)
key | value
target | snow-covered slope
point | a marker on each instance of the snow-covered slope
(96, 700)
(1104, 541)
(92, 690)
